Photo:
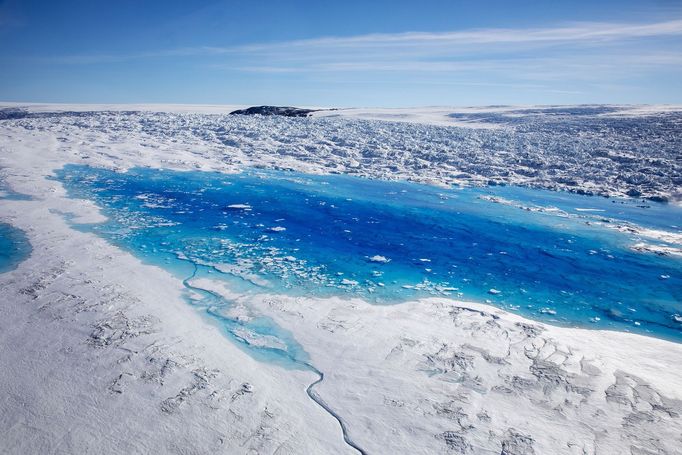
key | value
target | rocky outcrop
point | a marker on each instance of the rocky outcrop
(284, 111)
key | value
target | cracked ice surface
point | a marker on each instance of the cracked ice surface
(606, 150)
(99, 352)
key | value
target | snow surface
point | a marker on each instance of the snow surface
(606, 150)
(100, 354)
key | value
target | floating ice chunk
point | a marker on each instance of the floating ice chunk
(446, 289)
(258, 340)
(277, 229)
(379, 259)
(239, 207)
(237, 312)
(494, 291)
(659, 250)
(241, 269)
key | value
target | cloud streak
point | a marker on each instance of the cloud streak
(590, 33)
(579, 51)
(575, 33)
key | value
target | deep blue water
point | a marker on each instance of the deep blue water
(14, 247)
(282, 232)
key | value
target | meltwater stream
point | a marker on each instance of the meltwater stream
(556, 257)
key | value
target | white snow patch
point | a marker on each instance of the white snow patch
(379, 259)
(239, 206)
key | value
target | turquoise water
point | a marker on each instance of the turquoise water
(14, 247)
(6, 192)
(554, 259)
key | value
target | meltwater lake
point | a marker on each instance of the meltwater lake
(556, 257)
(14, 247)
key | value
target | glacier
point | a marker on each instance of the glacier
(111, 342)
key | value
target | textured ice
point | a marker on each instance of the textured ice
(593, 149)
(101, 355)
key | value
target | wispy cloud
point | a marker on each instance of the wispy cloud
(577, 50)
(582, 63)
(575, 33)
(585, 52)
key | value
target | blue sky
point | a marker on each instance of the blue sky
(341, 53)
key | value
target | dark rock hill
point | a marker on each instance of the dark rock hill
(285, 111)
